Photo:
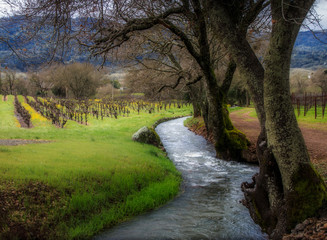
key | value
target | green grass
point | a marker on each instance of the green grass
(310, 116)
(7, 121)
(308, 119)
(86, 179)
(189, 122)
(233, 109)
(137, 94)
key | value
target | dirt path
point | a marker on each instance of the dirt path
(247, 124)
(315, 139)
(20, 120)
(15, 142)
(315, 136)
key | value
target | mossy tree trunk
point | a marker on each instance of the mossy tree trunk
(229, 142)
(287, 189)
(196, 109)
(197, 98)
(302, 191)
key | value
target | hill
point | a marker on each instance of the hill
(309, 49)
(18, 52)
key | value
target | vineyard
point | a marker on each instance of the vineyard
(23, 113)
(59, 111)
(316, 103)
(77, 170)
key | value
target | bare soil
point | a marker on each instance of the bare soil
(41, 200)
(15, 142)
(20, 120)
(315, 136)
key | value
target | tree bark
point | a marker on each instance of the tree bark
(196, 109)
(303, 189)
(287, 189)
(229, 142)
(197, 98)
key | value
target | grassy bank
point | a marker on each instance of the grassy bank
(308, 119)
(86, 179)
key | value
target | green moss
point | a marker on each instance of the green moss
(147, 135)
(308, 197)
(156, 137)
(258, 217)
(235, 139)
(228, 123)
(238, 139)
(230, 143)
(190, 122)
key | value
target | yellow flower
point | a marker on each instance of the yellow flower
(34, 115)
(17, 123)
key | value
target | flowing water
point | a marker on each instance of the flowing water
(209, 206)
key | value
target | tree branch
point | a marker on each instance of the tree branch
(171, 86)
(115, 38)
(194, 81)
(228, 76)
(184, 38)
(252, 14)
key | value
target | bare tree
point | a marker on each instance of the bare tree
(38, 85)
(319, 78)
(300, 80)
(9, 83)
(78, 80)
(199, 48)
(165, 68)
(81, 79)
(287, 189)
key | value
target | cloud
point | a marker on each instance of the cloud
(321, 10)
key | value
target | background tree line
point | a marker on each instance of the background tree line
(77, 80)
(199, 45)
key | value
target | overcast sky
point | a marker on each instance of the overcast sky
(321, 9)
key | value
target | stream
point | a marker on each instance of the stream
(209, 205)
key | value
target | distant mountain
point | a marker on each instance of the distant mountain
(310, 50)
(17, 53)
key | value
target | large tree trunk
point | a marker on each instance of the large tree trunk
(303, 191)
(197, 98)
(229, 142)
(235, 42)
(196, 109)
(287, 189)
